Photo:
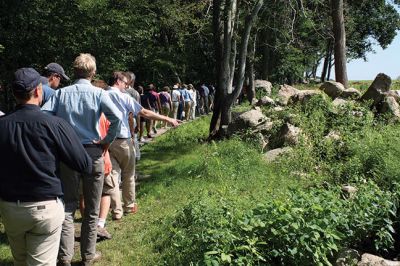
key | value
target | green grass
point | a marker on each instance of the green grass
(183, 168)
(229, 179)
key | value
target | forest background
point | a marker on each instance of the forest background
(167, 41)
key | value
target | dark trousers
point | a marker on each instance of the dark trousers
(180, 111)
(92, 188)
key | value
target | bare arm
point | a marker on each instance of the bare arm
(154, 116)
(131, 124)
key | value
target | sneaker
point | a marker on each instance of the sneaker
(149, 136)
(116, 218)
(141, 139)
(96, 258)
(155, 130)
(132, 210)
(103, 234)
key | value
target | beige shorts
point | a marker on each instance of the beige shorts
(110, 184)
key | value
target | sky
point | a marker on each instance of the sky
(383, 61)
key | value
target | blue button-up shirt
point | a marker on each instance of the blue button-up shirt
(185, 94)
(125, 104)
(81, 105)
(47, 93)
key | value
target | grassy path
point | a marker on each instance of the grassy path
(183, 168)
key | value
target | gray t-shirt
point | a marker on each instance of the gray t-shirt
(133, 93)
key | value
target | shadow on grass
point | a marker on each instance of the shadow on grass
(154, 158)
(156, 163)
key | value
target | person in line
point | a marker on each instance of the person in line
(131, 90)
(166, 103)
(204, 96)
(134, 122)
(81, 105)
(211, 95)
(176, 99)
(121, 150)
(155, 104)
(102, 233)
(145, 102)
(54, 74)
(181, 107)
(30, 192)
(193, 95)
(188, 101)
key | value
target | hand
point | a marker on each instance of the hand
(174, 122)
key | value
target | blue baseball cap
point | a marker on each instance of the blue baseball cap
(27, 79)
(56, 68)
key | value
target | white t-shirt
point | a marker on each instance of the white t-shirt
(193, 94)
(175, 95)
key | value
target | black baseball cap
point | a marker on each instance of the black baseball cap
(56, 68)
(26, 79)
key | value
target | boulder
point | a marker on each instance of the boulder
(246, 120)
(264, 85)
(332, 89)
(372, 260)
(390, 106)
(278, 109)
(285, 93)
(303, 96)
(272, 155)
(376, 92)
(254, 102)
(348, 191)
(339, 102)
(333, 135)
(394, 93)
(288, 135)
(264, 128)
(348, 257)
(266, 101)
(262, 141)
(350, 93)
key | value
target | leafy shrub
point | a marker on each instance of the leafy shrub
(306, 228)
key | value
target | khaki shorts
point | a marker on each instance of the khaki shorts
(110, 184)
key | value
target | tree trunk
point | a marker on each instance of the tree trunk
(223, 102)
(218, 32)
(267, 55)
(243, 48)
(326, 60)
(340, 42)
(331, 63)
(251, 92)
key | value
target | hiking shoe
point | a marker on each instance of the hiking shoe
(131, 210)
(103, 234)
(96, 258)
